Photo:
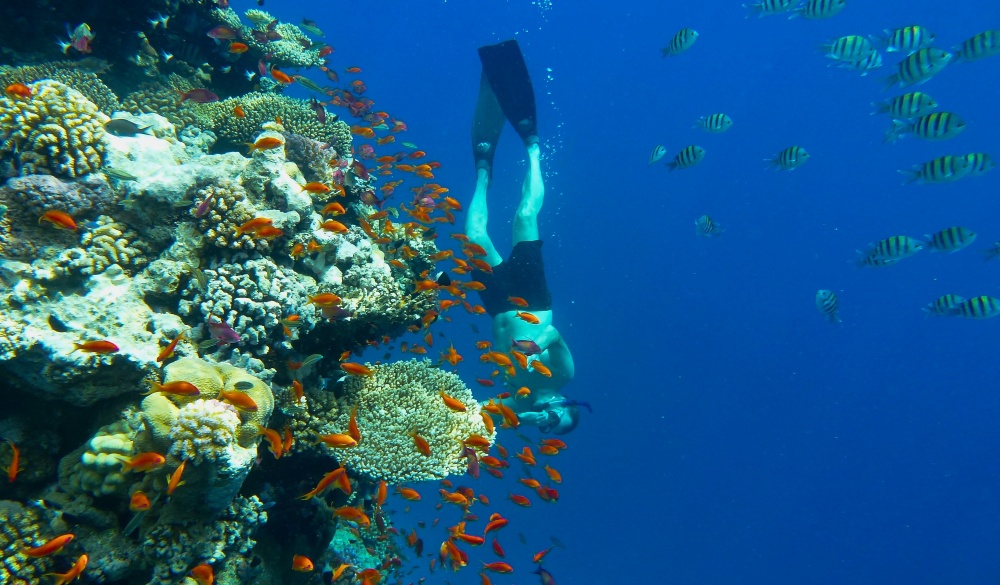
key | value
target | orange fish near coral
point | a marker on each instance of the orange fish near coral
(335, 226)
(355, 369)
(302, 564)
(238, 112)
(175, 478)
(452, 402)
(337, 440)
(281, 77)
(421, 444)
(144, 462)
(177, 388)
(333, 208)
(168, 352)
(408, 493)
(265, 143)
(269, 232)
(51, 547)
(241, 400)
(315, 187)
(355, 515)
(59, 219)
(139, 502)
(253, 225)
(326, 299)
(352, 425)
(73, 573)
(528, 317)
(273, 440)
(18, 90)
(203, 574)
(553, 474)
(15, 462)
(328, 480)
(540, 368)
(238, 48)
(497, 567)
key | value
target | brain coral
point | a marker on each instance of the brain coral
(394, 401)
(56, 131)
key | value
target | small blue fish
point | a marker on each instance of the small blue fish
(658, 153)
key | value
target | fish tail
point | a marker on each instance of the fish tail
(890, 81)
(880, 108)
(911, 176)
(895, 133)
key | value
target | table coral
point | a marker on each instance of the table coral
(398, 399)
(57, 131)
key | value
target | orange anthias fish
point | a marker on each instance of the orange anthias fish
(519, 500)
(269, 232)
(421, 444)
(355, 369)
(177, 388)
(175, 478)
(253, 225)
(273, 440)
(281, 77)
(553, 474)
(168, 351)
(302, 564)
(15, 462)
(238, 112)
(237, 48)
(203, 574)
(452, 403)
(328, 480)
(517, 301)
(498, 567)
(488, 421)
(332, 225)
(540, 368)
(355, 515)
(18, 90)
(337, 440)
(528, 317)
(241, 400)
(51, 547)
(73, 573)
(98, 346)
(327, 299)
(266, 143)
(333, 208)
(340, 571)
(315, 187)
(139, 502)
(352, 425)
(408, 493)
(144, 462)
(58, 219)
(540, 555)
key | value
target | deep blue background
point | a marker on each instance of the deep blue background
(737, 437)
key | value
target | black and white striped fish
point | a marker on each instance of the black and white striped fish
(827, 304)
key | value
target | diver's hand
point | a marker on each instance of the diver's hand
(533, 418)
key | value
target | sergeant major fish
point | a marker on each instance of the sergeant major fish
(706, 227)
(790, 158)
(659, 152)
(933, 126)
(943, 169)
(919, 67)
(714, 123)
(944, 305)
(982, 307)
(687, 158)
(817, 9)
(950, 239)
(985, 44)
(682, 41)
(906, 39)
(826, 303)
(769, 7)
(907, 106)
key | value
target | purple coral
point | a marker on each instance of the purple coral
(36, 194)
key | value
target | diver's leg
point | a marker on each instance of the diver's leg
(477, 216)
(504, 66)
(532, 196)
(486, 126)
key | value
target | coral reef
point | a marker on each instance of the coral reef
(253, 297)
(38, 332)
(96, 467)
(20, 527)
(57, 131)
(296, 117)
(80, 75)
(396, 400)
(312, 156)
(160, 97)
(204, 430)
(111, 242)
(292, 49)
(175, 545)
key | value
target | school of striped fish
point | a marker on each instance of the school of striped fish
(913, 113)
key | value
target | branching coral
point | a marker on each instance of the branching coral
(395, 401)
(175, 546)
(20, 527)
(253, 296)
(56, 131)
(112, 242)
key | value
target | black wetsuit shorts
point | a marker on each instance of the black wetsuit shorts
(521, 275)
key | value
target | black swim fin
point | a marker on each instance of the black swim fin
(504, 68)
(486, 127)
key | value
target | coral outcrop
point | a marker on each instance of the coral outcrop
(21, 527)
(399, 399)
(56, 131)
(96, 467)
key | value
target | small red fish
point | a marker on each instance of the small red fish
(237, 48)
(144, 462)
(59, 219)
(18, 90)
(15, 462)
(101, 346)
(73, 573)
(238, 112)
(139, 502)
(203, 574)
(302, 564)
(175, 478)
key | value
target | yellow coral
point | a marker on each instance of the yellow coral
(398, 399)
(56, 131)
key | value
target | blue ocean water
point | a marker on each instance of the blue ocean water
(737, 437)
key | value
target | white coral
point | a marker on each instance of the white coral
(204, 430)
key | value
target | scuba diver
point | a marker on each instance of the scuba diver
(506, 94)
